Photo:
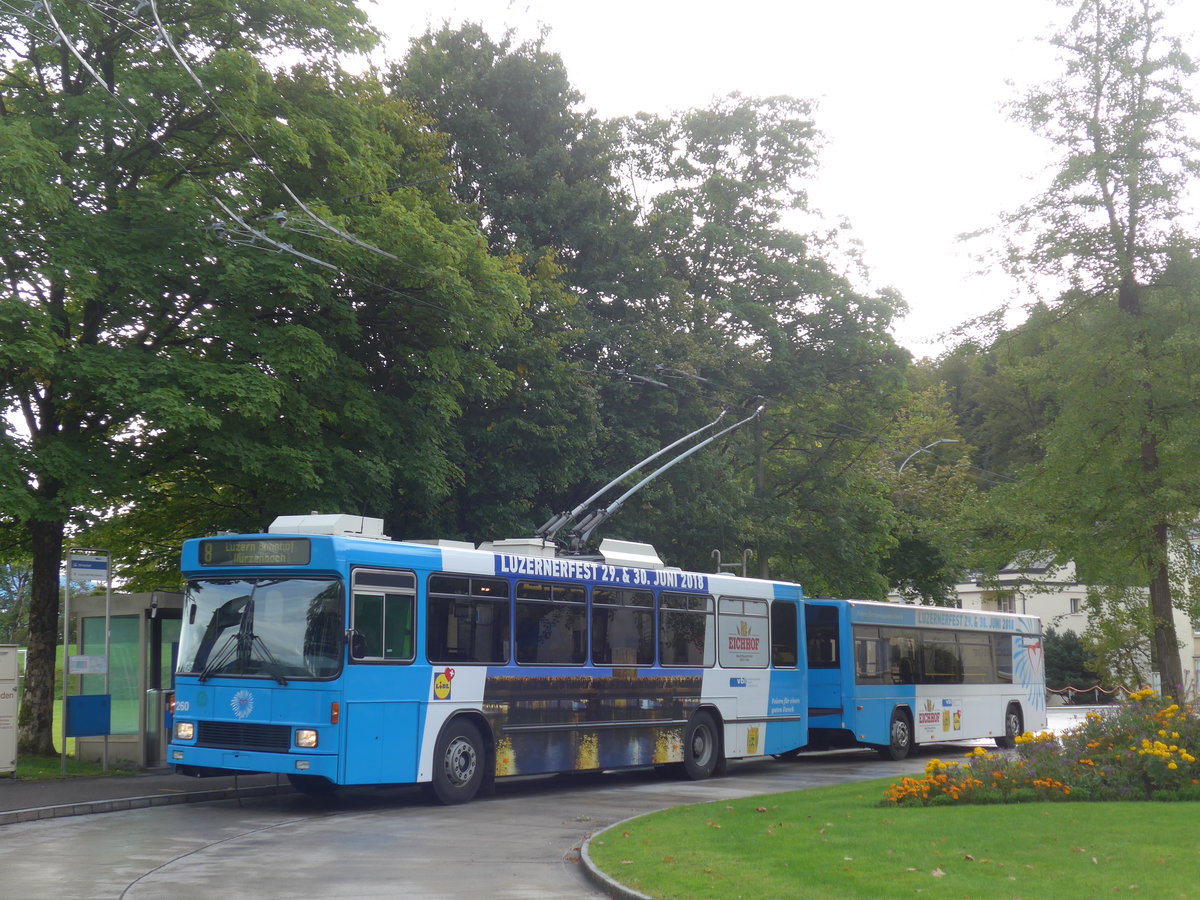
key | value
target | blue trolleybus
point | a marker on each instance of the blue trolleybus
(890, 675)
(324, 651)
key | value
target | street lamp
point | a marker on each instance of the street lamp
(925, 449)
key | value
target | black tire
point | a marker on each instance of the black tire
(1013, 725)
(900, 734)
(458, 762)
(701, 747)
(313, 785)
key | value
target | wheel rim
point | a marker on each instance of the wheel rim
(1014, 725)
(702, 745)
(460, 761)
(900, 735)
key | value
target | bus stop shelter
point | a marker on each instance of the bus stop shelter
(143, 648)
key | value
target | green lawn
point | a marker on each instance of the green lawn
(840, 842)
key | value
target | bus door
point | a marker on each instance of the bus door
(382, 688)
(788, 728)
(824, 642)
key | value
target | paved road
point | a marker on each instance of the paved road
(523, 843)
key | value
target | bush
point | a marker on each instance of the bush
(1142, 750)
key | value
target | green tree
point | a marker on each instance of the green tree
(14, 603)
(926, 467)
(1112, 483)
(1067, 663)
(176, 346)
(538, 171)
(695, 298)
(997, 412)
(756, 307)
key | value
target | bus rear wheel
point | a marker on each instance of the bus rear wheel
(900, 737)
(701, 747)
(1013, 725)
(458, 762)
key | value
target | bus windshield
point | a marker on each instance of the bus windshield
(279, 628)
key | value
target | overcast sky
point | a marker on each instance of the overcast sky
(910, 92)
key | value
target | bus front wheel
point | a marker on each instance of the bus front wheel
(1013, 725)
(900, 736)
(701, 747)
(458, 763)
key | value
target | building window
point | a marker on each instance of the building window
(999, 601)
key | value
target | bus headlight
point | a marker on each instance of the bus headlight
(185, 731)
(306, 738)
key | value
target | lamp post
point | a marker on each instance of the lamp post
(925, 449)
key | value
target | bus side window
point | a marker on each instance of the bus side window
(622, 627)
(785, 645)
(382, 620)
(551, 624)
(939, 657)
(686, 630)
(901, 650)
(870, 655)
(468, 620)
(821, 623)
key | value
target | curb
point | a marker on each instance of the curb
(602, 880)
(90, 807)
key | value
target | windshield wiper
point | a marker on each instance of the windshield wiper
(228, 649)
(271, 665)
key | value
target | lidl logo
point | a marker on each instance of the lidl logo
(441, 684)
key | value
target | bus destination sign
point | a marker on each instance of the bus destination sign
(256, 552)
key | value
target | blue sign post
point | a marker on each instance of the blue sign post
(86, 565)
(88, 715)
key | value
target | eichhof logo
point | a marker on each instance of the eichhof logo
(242, 704)
(930, 715)
(742, 640)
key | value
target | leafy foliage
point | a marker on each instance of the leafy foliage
(1112, 484)
(1067, 663)
(14, 603)
(166, 375)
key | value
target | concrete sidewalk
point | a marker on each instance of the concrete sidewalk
(27, 801)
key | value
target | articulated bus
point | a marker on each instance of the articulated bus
(327, 652)
(351, 660)
(889, 675)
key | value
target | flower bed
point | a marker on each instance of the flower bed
(1144, 749)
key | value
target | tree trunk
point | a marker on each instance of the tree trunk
(1162, 611)
(1166, 641)
(35, 724)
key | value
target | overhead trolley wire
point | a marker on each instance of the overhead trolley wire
(248, 235)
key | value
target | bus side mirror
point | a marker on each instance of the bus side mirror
(358, 643)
